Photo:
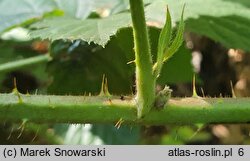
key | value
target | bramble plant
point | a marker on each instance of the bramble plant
(147, 106)
(146, 73)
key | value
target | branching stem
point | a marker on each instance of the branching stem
(98, 109)
(145, 82)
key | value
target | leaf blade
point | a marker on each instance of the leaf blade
(165, 35)
(163, 42)
(98, 31)
(178, 40)
(207, 18)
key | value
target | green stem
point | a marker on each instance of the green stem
(145, 83)
(24, 62)
(97, 109)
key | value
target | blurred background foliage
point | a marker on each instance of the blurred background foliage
(215, 49)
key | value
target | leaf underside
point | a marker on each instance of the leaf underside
(225, 21)
(98, 31)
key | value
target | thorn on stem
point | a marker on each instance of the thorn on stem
(104, 88)
(36, 92)
(33, 139)
(11, 131)
(15, 84)
(22, 124)
(16, 92)
(27, 93)
(110, 101)
(119, 123)
(232, 89)
(194, 88)
(130, 62)
(197, 131)
(202, 91)
(21, 132)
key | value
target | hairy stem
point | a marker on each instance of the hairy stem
(97, 109)
(24, 62)
(145, 83)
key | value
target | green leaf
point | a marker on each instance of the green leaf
(90, 30)
(98, 31)
(17, 12)
(231, 31)
(165, 35)
(81, 9)
(242, 2)
(13, 13)
(75, 8)
(163, 41)
(225, 21)
(178, 40)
